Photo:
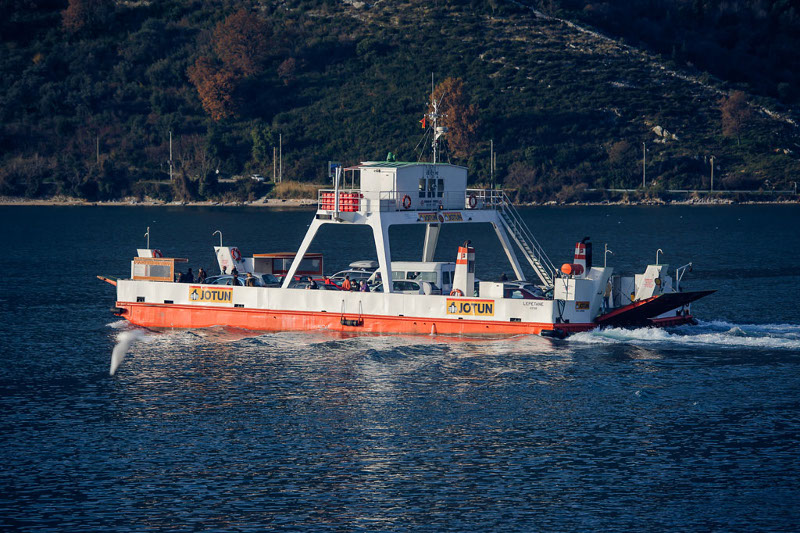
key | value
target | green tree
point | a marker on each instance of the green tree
(263, 140)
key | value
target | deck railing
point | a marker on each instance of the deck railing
(354, 200)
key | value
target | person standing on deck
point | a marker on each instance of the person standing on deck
(346, 283)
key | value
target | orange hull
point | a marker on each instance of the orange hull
(185, 316)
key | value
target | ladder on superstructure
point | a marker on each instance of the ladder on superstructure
(531, 249)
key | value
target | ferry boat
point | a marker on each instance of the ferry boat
(579, 296)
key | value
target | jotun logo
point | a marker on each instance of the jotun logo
(470, 307)
(222, 295)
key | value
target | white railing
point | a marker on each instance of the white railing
(354, 200)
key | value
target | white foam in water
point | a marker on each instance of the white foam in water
(119, 324)
(715, 333)
(124, 341)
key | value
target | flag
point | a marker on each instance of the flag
(423, 122)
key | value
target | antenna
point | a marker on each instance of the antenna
(220, 237)
(434, 116)
(148, 237)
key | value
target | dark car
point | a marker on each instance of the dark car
(319, 286)
(270, 280)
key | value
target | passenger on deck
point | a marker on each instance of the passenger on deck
(189, 276)
(224, 270)
(250, 281)
(201, 275)
(346, 283)
(364, 287)
(179, 277)
(234, 280)
(503, 277)
(234, 271)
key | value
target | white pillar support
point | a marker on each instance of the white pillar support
(381, 234)
(431, 240)
(512, 257)
(307, 240)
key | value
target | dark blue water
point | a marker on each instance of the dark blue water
(684, 429)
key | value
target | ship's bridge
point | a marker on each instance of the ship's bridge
(376, 186)
(381, 194)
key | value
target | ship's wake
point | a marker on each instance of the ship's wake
(124, 341)
(717, 333)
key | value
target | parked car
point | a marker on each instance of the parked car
(353, 274)
(270, 280)
(226, 280)
(319, 286)
(410, 287)
(527, 286)
(257, 177)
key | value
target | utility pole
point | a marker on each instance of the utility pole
(98, 149)
(280, 158)
(170, 155)
(491, 163)
(644, 163)
(274, 163)
(712, 173)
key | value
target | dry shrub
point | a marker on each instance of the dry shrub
(294, 189)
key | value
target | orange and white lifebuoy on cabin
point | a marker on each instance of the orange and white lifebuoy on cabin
(406, 201)
(456, 292)
(473, 201)
(157, 253)
(236, 254)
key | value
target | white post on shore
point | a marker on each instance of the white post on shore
(712, 173)
(280, 158)
(644, 165)
(170, 155)
(491, 163)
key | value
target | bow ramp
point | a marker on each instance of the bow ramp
(527, 243)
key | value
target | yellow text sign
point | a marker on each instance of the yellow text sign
(205, 295)
(470, 307)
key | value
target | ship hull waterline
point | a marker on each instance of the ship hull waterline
(176, 316)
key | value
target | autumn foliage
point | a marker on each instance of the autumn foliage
(215, 86)
(735, 114)
(86, 14)
(460, 117)
(241, 43)
(241, 48)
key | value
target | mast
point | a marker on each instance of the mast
(434, 116)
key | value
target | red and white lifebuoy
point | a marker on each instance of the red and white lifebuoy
(473, 201)
(157, 253)
(456, 292)
(236, 254)
(406, 201)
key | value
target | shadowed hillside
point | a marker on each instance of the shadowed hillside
(94, 88)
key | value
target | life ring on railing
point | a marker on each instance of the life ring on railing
(473, 201)
(406, 201)
(456, 292)
(157, 253)
(236, 254)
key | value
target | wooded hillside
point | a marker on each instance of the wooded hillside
(92, 89)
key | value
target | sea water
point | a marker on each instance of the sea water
(688, 428)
